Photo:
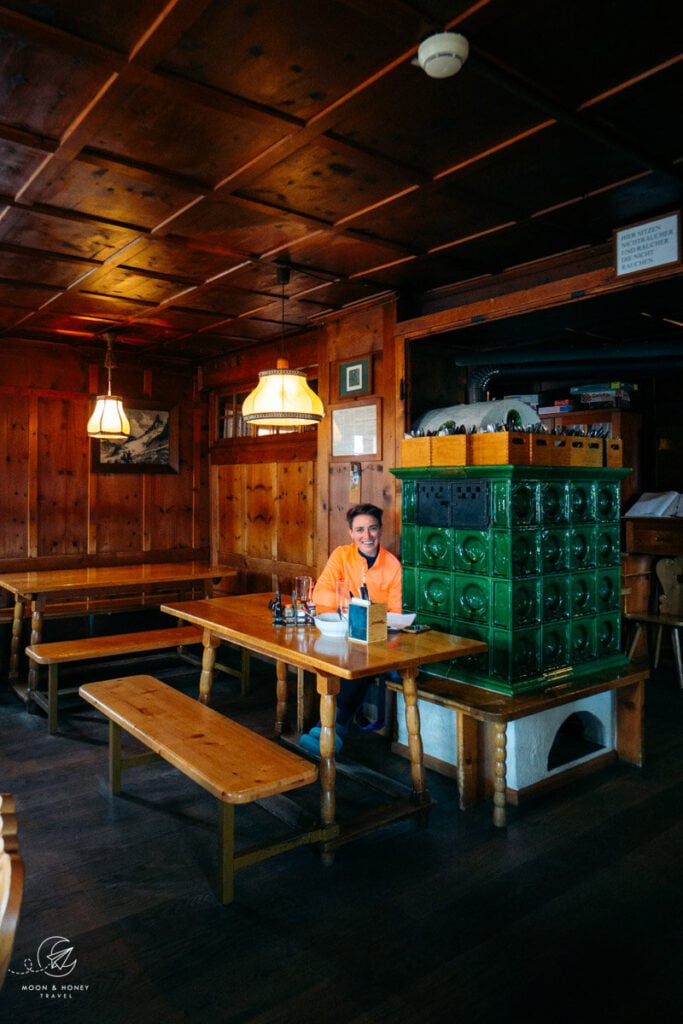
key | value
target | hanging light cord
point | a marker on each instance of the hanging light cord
(108, 364)
(283, 278)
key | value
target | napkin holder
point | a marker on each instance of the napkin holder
(367, 621)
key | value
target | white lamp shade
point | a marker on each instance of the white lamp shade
(282, 398)
(109, 421)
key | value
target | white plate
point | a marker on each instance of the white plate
(396, 621)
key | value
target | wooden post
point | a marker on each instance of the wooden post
(467, 739)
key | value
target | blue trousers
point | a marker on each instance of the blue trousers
(352, 693)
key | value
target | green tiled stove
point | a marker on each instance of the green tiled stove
(526, 558)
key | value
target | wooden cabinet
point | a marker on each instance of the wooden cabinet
(654, 535)
(622, 423)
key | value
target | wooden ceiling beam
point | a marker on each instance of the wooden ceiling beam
(554, 282)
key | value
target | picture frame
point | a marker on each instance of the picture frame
(357, 431)
(354, 377)
(152, 447)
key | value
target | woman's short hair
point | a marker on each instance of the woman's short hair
(363, 510)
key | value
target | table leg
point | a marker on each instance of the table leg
(417, 772)
(211, 644)
(328, 688)
(17, 623)
(36, 637)
(281, 696)
(500, 781)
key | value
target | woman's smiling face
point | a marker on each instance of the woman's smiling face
(366, 533)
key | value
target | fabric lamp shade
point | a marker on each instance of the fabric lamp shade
(109, 421)
(282, 398)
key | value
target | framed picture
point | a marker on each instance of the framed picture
(354, 378)
(357, 431)
(152, 446)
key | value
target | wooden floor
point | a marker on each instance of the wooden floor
(574, 912)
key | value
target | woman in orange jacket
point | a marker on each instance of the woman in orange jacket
(370, 571)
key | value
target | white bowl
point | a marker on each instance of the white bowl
(330, 624)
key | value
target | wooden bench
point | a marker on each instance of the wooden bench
(62, 652)
(474, 705)
(234, 764)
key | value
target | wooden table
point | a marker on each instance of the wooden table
(248, 622)
(474, 704)
(105, 581)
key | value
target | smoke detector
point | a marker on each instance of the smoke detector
(442, 54)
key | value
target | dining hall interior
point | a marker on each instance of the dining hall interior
(453, 227)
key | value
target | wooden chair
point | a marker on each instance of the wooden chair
(669, 613)
(11, 881)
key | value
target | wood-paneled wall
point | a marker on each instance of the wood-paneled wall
(275, 509)
(54, 510)
(284, 515)
(264, 520)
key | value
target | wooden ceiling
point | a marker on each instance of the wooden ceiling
(159, 159)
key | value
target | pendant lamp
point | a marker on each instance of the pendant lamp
(282, 397)
(109, 421)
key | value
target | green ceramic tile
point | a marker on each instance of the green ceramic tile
(435, 547)
(581, 502)
(582, 594)
(554, 645)
(556, 597)
(555, 550)
(472, 598)
(472, 552)
(517, 553)
(582, 547)
(608, 590)
(517, 602)
(554, 502)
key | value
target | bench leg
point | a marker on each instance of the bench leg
(52, 698)
(500, 781)
(114, 757)
(245, 669)
(226, 852)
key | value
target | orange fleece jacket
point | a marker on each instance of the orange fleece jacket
(346, 563)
